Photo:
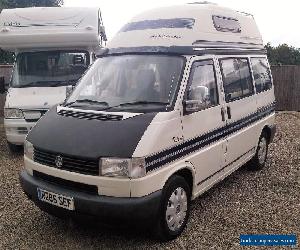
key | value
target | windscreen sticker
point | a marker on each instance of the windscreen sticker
(174, 23)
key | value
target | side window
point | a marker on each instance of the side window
(236, 78)
(202, 88)
(262, 74)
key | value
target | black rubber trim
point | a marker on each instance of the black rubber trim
(102, 207)
(209, 177)
(157, 160)
(72, 185)
(186, 50)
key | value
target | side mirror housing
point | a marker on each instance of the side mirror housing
(228, 97)
(102, 33)
(191, 106)
(2, 85)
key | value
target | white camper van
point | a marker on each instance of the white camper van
(53, 47)
(181, 98)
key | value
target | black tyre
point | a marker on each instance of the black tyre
(15, 149)
(175, 209)
(260, 157)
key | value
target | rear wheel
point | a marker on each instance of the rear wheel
(15, 149)
(260, 157)
(174, 210)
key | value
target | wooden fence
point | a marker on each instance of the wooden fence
(287, 87)
(286, 82)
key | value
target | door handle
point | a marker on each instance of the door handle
(229, 112)
(223, 114)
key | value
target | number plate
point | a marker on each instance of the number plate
(58, 200)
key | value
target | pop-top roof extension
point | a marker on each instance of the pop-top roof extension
(193, 26)
(54, 27)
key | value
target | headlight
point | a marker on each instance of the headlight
(116, 167)
(28, 149)
(13, 114)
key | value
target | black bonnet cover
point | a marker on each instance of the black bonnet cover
(89, 138)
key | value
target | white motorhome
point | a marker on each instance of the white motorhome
(53, 48)
(181, 98)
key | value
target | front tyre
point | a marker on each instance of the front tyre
(260, 157)
(174, 210)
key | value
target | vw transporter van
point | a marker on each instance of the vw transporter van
(181, 98)
(53, 48)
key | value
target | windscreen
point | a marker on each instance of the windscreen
(49, 68)
(134, 80)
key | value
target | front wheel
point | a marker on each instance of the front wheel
(260, 157)
(174, 210)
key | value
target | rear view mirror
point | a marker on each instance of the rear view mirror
(2, 85)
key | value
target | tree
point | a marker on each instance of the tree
(9, 4)
(283, 54)
(8, 57)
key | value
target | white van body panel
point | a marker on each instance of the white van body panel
(36, 97)
(167, 127)
(33, 102)
(202, 34)
(48, 27)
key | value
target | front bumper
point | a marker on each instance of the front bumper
(106, 209)
(16, 130)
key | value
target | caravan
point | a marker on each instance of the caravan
(181, 98)
(53, 48)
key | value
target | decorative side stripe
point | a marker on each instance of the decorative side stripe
(190, 146)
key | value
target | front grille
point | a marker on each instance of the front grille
(72, 185)
(72, 164)
(90, 116)
(22, 130)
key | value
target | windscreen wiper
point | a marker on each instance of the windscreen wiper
(64, 83)
(90, 101)
(41, 84)
(143, 103)
(138, 103)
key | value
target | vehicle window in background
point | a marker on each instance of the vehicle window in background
(131, 78)
(236, 78)
(261, 73)
(49, 68)
(203, 86)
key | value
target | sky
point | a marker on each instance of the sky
(278, 21)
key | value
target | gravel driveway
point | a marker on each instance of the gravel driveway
(265, 202)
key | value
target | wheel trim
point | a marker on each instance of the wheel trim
(262, 150)
(176, 210)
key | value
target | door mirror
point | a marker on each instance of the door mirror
(198, 99)
(102, 33)
(2, 85)
(191, 106)
(228, 97)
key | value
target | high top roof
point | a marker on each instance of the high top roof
(49, 27)
(196, 25)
